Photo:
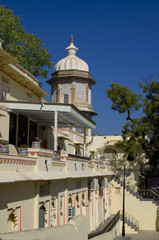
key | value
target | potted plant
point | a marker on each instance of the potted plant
(36, 142)
(13, 218)
(61, 208)
(83, 199)
(70, 201)
(4, 147)
(57, 154)
(77, 199)
(23, 149)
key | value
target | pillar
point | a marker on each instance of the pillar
(55, 130)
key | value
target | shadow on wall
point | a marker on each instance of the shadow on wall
(77, 229)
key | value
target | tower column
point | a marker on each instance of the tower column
(73, 94)
(55, 130)
(86, 86)
(59, 93)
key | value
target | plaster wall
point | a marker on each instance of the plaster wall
(16, 91)
(68, 145)
(58, 190)
(75, 230)
(6, 166)
(111, 235)
(18, 196)
(4, 129)
(143, 211)
(100, 141)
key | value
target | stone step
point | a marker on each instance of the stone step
(137, 195)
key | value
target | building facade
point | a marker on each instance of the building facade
(45, 177)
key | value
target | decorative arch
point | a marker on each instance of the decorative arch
(42, 213)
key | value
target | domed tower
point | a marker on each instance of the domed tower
(71, 83)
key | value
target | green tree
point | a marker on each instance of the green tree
(141, 133)
(25, 47)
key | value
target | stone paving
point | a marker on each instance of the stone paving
(145, 235)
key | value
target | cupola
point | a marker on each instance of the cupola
(71, 62)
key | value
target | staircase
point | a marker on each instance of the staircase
(142, 205)
(106, 226)
(130, 221)
(142, 194)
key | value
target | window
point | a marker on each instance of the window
(22, 130)
(80, 130)
(13, 129)
(32, 132)
(4, 95)
(44, 189)
(78, 183)
(65, 96)
(4, 89)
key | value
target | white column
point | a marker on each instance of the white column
(55, 130)
(84, 143)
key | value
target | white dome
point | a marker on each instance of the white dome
(71, 62)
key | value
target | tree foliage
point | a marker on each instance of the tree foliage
(142, 133)
(25, 47)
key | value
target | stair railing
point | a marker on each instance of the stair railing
(127, 186)
(145, 193)
(107, 227)
(131, 219)
(149, 194)
(155, 190)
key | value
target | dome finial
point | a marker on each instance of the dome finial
(71, 49)
(71, 40)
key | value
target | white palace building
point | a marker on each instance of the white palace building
(47, 179)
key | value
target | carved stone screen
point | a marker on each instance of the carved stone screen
(65, 89)
(80, 92)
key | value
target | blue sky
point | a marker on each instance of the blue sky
(119, 39)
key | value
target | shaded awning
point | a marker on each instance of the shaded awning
(43, 113)
(11, 176)
(30, 175)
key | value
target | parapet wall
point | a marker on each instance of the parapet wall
(111, 235)
(144, 211)
(77, 229)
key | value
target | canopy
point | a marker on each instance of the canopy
(44, 113)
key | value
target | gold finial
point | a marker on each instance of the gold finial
(71, 40)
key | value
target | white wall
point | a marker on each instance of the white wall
(75, 230)
(16, 90)
(143, 211)
(14, 195)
